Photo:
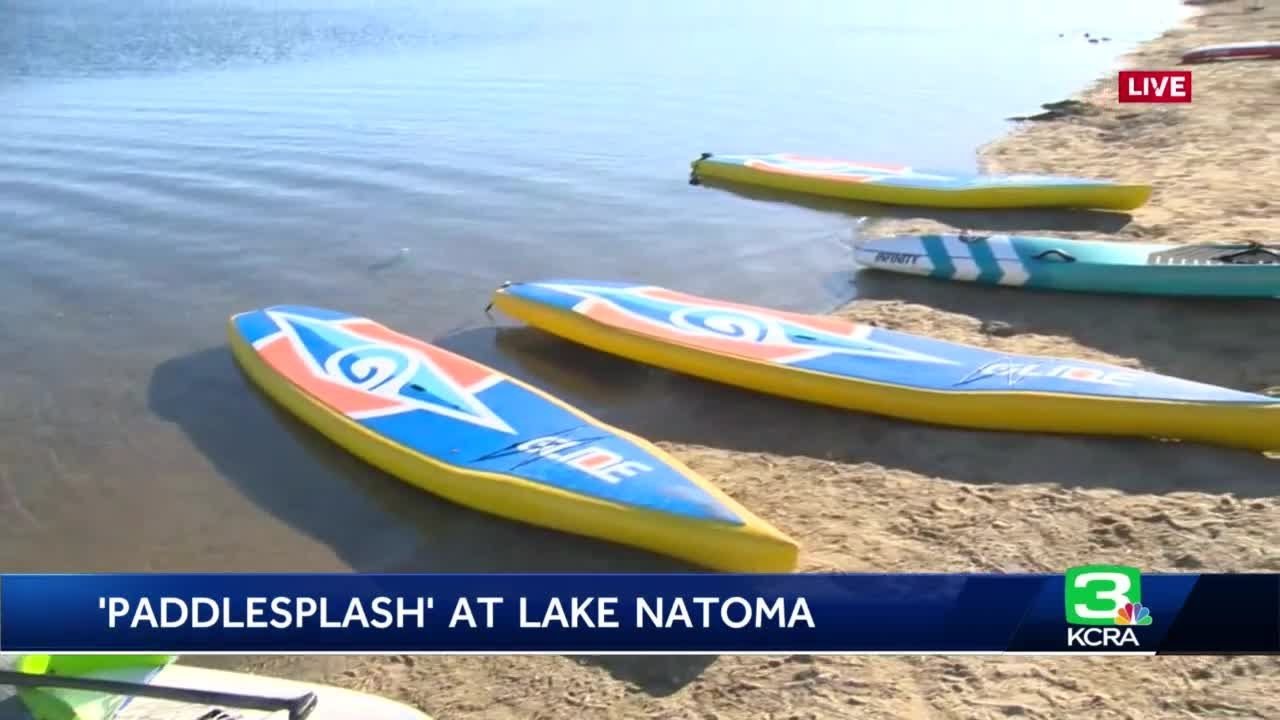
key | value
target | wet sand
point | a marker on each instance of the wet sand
(870, 494)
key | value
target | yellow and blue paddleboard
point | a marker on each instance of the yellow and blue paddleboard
(903, 185)
(832, 361)
(477, 437)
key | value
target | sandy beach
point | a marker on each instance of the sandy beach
(869, 494)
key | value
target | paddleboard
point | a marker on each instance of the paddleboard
(477, 437)
(45, 703)
(903, 185)
(832, 361)
(1240, 270)
(1260, 50)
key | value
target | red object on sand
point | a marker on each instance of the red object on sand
(1255, 50)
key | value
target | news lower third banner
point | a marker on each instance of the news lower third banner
(1089, 609)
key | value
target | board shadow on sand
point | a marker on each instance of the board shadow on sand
(299, 476)
(664, 406)
(1006, 221)
(1233, 343)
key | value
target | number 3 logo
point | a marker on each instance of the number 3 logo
(1095, 593)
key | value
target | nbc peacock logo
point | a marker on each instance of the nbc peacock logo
(1133, 614)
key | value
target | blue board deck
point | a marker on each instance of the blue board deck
(833, 361)
(474, 435)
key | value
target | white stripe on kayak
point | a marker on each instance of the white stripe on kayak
(956, 248)
(1002, 248)
(961, 259)
(1015, 273)
(966, 269)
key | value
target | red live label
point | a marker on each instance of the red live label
(1155, 86)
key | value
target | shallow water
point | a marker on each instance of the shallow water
(164, 164)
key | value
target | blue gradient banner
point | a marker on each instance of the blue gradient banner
(1091, 609)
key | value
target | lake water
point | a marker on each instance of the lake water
(166, 163)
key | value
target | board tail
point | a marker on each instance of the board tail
(51, 703)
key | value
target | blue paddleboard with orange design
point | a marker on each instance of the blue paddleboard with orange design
(904, 185)
(833, 361)
(480, 438)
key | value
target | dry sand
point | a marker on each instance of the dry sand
(868, 494)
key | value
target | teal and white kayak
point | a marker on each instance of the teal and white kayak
(164, 690)
(1243, 270)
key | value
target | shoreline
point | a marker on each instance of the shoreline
(863, 493)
